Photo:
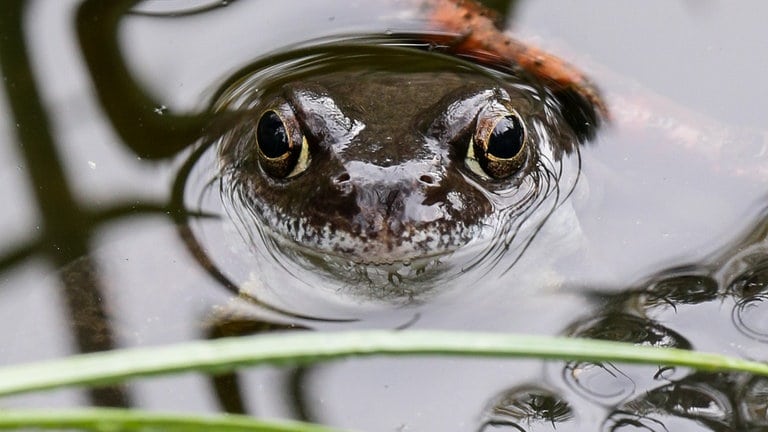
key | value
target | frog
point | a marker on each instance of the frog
(389, 158)
(404, 157)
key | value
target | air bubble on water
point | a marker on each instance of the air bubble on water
(161, 110)
(92, 165)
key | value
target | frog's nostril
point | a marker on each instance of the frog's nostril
(427, 179)
(343, 184)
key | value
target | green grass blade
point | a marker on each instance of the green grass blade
(111, 420)
(303, 347)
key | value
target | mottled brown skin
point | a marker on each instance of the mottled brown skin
(480, 34)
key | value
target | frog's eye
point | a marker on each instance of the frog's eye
(281, 146)
(497, 149)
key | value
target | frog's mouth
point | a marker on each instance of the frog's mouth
(370, 237)
(385, 248)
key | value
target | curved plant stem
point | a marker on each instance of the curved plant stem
(105, 419)
(223, 355)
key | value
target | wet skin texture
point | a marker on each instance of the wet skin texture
(380, 165)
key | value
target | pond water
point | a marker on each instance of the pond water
(658, 236)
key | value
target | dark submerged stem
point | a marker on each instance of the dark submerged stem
(65, 234)
(145, 128)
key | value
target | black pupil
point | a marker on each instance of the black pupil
(271, 135)
(507, 138)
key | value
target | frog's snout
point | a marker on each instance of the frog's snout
(379, 211)
(387, 211)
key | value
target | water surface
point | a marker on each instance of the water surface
(661, 242)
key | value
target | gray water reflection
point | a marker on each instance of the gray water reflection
(88, 215)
